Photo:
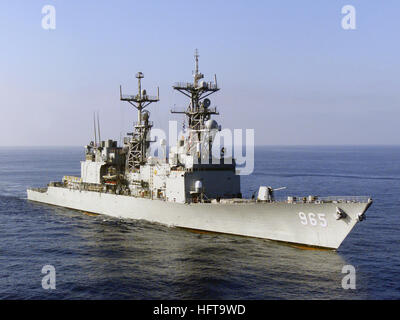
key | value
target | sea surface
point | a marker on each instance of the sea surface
(98, 257)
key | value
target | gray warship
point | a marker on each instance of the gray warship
(190, 187)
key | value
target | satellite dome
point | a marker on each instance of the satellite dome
(211, 124)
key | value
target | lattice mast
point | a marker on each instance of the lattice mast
(139, 143)
(198, 111)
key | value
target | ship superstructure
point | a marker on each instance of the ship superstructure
(189, 174)
(192, 187)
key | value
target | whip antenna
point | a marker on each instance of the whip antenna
(94, 127)
(98, 127)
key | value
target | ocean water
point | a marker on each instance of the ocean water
(98, 257)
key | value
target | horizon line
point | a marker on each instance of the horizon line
(257, 145)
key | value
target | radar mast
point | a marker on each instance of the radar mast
(198, 111)
(139, 143)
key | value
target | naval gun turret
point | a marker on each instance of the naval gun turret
(266, 193)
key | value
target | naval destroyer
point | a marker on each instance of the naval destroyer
(190, 187)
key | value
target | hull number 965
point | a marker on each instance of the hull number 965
(313, 219)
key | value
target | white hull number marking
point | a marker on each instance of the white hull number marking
(313, 219)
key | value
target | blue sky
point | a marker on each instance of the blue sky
(286, 68)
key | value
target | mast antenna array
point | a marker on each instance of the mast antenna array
(139, 144)
(141, 100)
(198, 111)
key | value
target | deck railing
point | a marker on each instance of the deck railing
(334, 199)
(188, 85)
(345, 198)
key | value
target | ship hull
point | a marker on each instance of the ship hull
(310, 224)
